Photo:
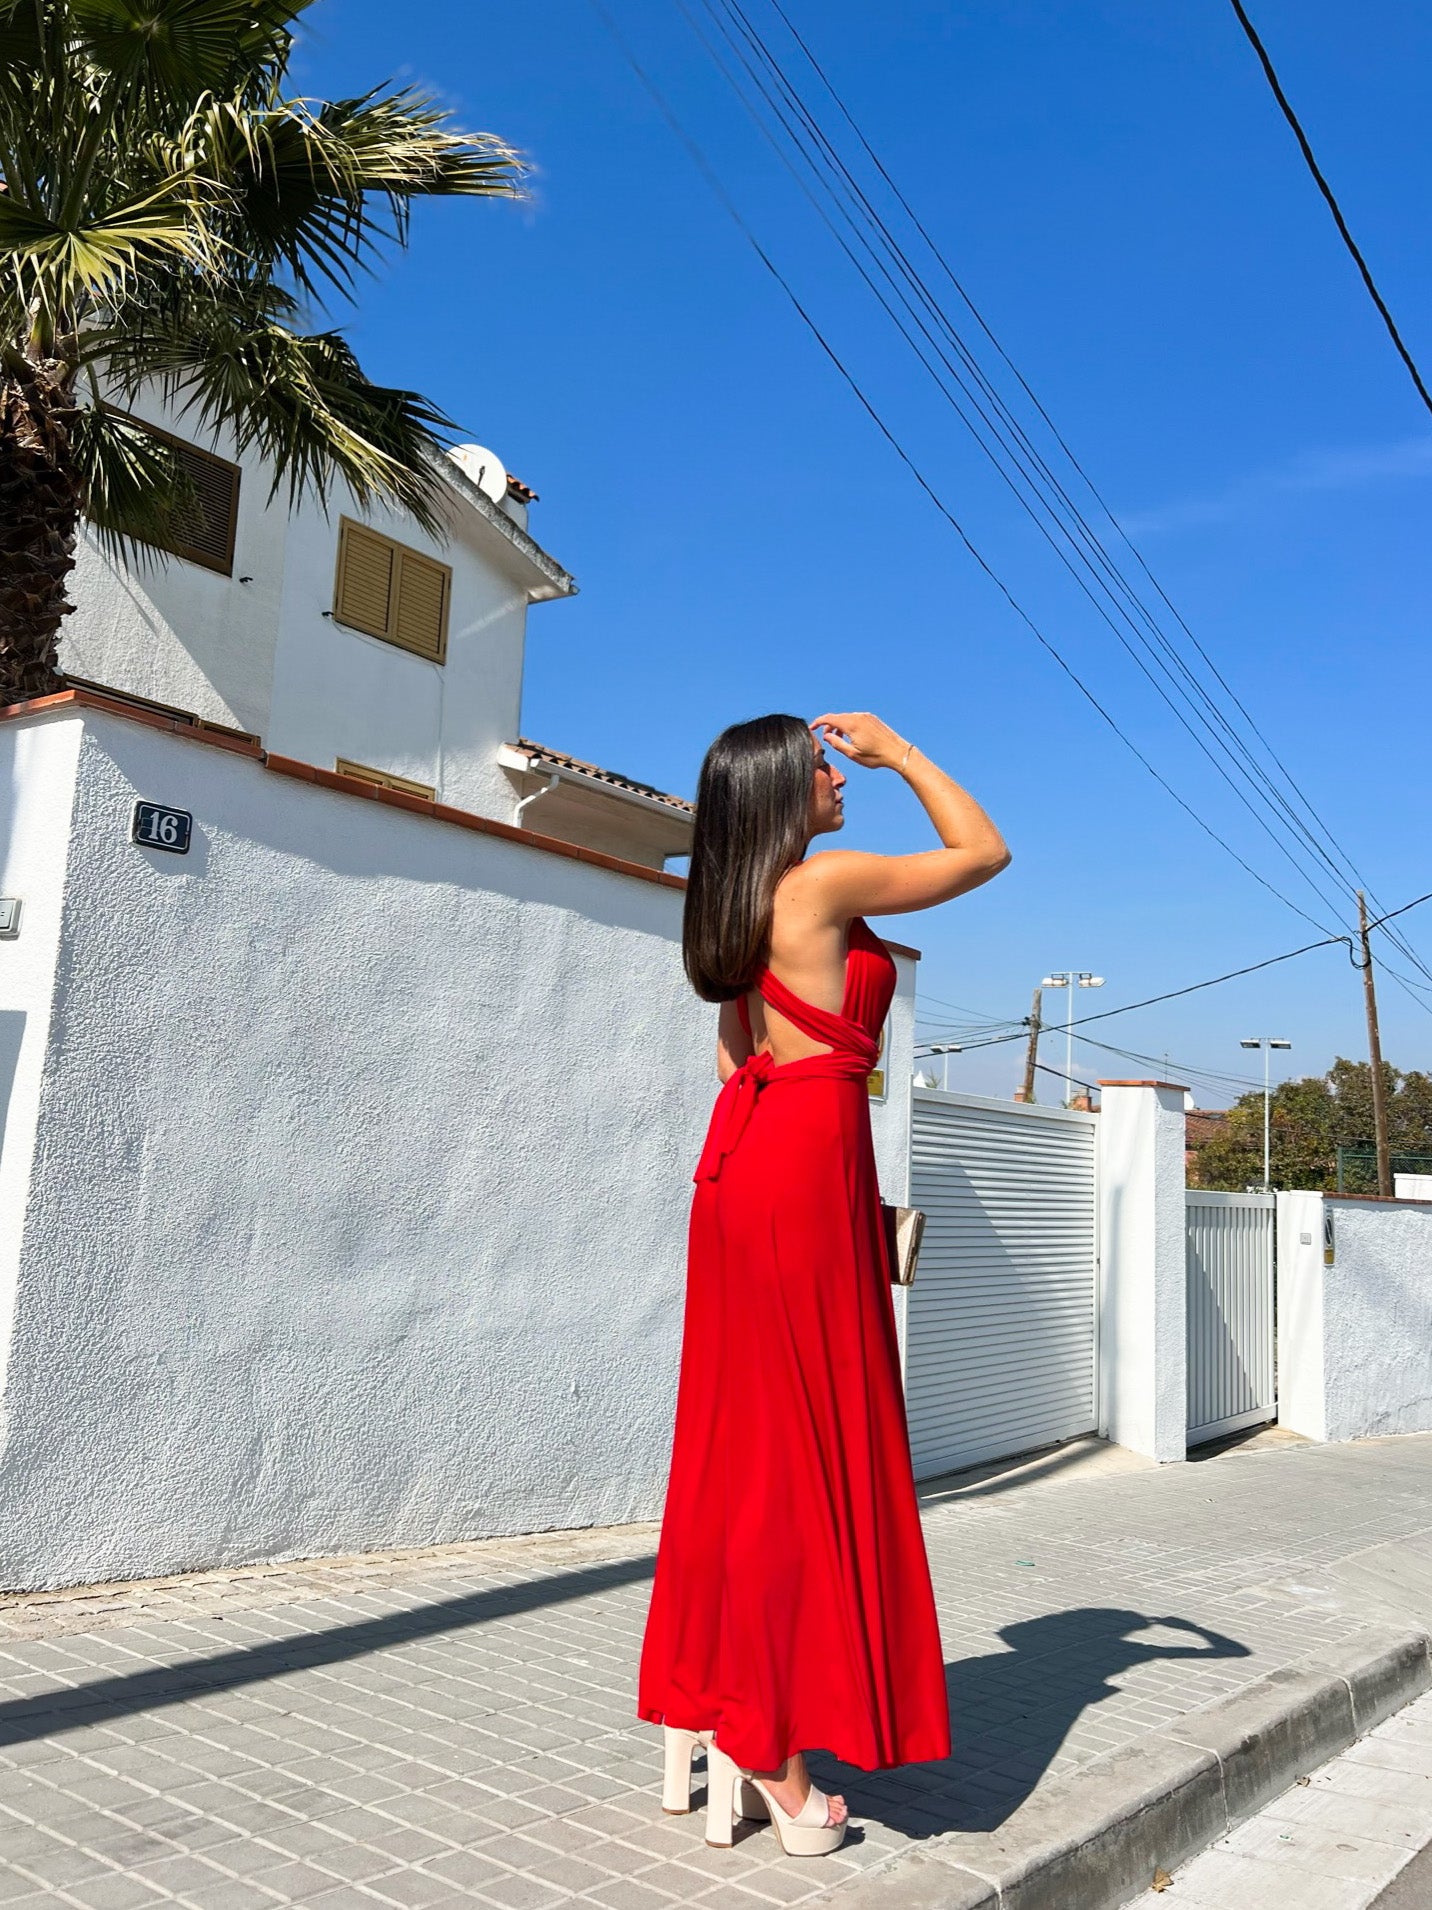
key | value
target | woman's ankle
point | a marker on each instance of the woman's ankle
(791, 1769)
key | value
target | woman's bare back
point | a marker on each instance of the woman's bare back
(808, 953)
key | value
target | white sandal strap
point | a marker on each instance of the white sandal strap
(815, 1812)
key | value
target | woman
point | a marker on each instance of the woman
(792, 1604)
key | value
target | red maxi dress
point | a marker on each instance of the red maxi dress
(792, 1606)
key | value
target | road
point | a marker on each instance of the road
(1355, 1835)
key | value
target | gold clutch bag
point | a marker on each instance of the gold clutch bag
(904, 1229)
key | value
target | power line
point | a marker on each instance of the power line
(1173, 994)
(1210, 1077)
(1391, 914)
(1094, 557)
(943, 263)
(1084, 548)
(1336, 210)
(1087, 1086)
(960, 1007)
(704, 166)
(1277, 799)
(1214, 981)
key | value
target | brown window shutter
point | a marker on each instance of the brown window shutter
(206, 528)
(384, 778)
(420, 615)
(364, 597)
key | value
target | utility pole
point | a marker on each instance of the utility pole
(1031, 1059)
(1374, 1049)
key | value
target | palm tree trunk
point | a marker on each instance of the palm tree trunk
(39, 518)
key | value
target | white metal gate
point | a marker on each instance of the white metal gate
(1231, 1379)
(1000, 1332)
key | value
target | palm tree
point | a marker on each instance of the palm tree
(170, 220)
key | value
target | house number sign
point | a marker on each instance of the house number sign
(157, 827)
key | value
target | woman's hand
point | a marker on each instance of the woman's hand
(863, 738)
(843, 882)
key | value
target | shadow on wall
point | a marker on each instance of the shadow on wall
(123, 634)
(1011, 1711)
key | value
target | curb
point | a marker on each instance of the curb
(1092, 1840)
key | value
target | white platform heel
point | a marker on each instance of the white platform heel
(807, 1834)
(728, 1794)
(678, 1749)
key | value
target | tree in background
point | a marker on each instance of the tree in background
(170, 220)
(1311, 1119)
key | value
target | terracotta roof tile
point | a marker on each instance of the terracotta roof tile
(559, 759)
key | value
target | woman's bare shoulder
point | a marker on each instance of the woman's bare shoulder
(818, 870)
(825, 876)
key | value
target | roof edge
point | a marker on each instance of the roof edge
(559, 582)
(538, 756)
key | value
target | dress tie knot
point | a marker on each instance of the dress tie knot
(732, 1114)
(736, 1102)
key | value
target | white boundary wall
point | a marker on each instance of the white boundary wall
(343, 1197)
(1143, 1348)
(1354, 1337)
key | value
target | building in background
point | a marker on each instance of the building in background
(353, 639)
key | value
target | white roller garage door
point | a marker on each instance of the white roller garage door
(1000, 1331)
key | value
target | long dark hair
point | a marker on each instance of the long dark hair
(752, 824)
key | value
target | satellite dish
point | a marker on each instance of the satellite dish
(485, 468)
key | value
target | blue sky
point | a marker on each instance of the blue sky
(1118, 193)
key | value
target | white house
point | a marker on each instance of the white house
(350, 1085)
(354, 640)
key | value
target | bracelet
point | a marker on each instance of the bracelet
(906, 757)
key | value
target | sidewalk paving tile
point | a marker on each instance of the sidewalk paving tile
(456, 1725)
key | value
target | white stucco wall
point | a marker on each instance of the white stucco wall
(362, 1163)
(37, 780)
(164, 628)
(1142, 1320)
(1302, 1388)
(338, 693)
(358, 1204)
(1355, 1355)
(890, 1118)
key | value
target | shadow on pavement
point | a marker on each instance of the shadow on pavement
(1009, 1714)
(70, 1709)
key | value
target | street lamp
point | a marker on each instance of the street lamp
(1071, 979)
(945, 1048)
(1265, 1042)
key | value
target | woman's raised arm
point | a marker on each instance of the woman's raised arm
(857, 884)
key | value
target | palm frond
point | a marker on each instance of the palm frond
(163, 211)
(22, 37)
(304, 177)
(137, 494)
(175, 50)
(300, 399)
(56, 268)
